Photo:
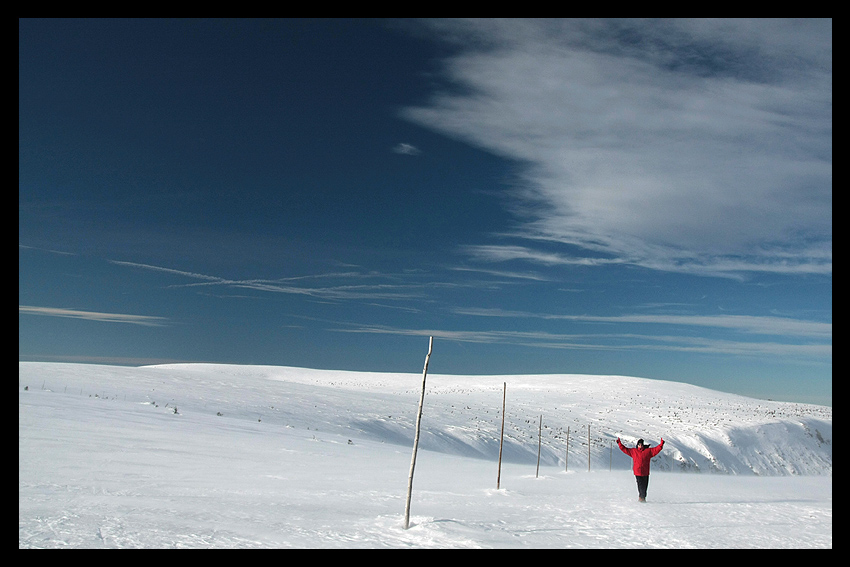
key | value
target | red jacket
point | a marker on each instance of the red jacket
(641, 457)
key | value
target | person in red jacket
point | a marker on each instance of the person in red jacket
(641, 455)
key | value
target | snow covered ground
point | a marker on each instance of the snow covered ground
(202, 455)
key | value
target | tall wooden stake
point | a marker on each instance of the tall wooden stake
(567, 456)
(416, 437)
(502, 437)
(588, 447)
(539, 433)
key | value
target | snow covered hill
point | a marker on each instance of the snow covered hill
(704, 430)
(201, 456)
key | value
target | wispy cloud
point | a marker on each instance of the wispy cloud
(779, 262)
(348, 291)
(193, 275)
(742, 323)
(22, 246)
(502, 273)
(698, 146)
(504, 253)
(144, 320)
(609, 342)
(406, 149)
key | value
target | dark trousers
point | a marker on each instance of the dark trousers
(643, 484)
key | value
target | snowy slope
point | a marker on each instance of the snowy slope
(704, 430)
(202, 455)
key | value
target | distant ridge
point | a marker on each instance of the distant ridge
(704, 430)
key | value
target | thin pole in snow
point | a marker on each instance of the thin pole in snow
(502, 437)
(539, 433)
(416, 437)
(567, 455)
(588, 447)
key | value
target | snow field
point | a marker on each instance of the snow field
(313, 459)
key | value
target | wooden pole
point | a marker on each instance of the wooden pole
(611, 458)
(588, 447)
(416, 437)
(567, 456)
(502, 437)
(539, 433)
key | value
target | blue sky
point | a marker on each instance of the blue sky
(649, 198)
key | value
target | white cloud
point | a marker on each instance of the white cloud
(406, 149)
(502, 253)
(144, 320)
(697, 146)
(743, 323)
(609, 341)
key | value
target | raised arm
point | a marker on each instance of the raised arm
(657, 449)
